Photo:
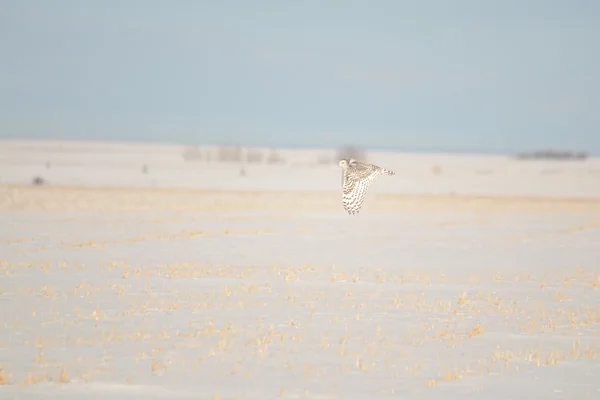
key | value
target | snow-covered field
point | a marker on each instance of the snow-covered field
(480, 278)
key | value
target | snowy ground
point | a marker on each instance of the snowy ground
(185, 293)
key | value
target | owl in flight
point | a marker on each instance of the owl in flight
(356, 178)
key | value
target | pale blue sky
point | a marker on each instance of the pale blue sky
(489, 75)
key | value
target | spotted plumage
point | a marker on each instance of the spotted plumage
(356, 179)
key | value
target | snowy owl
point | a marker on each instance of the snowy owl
(356, 178)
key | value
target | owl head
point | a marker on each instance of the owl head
(344, 163)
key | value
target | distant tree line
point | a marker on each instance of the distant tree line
(238, 154)
(552, 155)
(234, 154)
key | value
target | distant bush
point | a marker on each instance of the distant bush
(192, 154)
(275, 158)
(325, 159)
(352, 152)
(229, 154)
(254, 156)
(38, 181)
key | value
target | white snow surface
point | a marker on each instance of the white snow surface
(192, 282)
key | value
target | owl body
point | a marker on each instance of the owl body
(356, 179)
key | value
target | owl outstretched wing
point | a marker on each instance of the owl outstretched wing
(354, 191)
(356, 181)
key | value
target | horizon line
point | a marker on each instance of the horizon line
(403, 149)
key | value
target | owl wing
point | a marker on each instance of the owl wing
(354, 190)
